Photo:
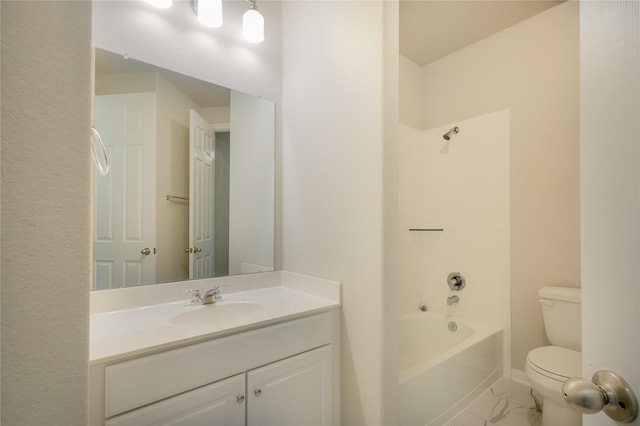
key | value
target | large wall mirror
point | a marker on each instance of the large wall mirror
(190, 193)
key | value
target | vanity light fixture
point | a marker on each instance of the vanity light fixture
(253, 24)
(209, 12)
(162, 4)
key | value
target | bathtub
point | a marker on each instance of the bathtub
(441, 371)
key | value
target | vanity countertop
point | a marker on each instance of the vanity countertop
(121, 333)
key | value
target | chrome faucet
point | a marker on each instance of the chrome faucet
(209, 297)
(452, 299)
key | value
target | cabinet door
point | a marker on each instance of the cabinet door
(293, 392)
(219, 404)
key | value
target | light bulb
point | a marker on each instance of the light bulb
(210, 13)
(253, 26)
(162, 4)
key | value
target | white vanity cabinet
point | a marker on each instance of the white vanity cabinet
(278, 375)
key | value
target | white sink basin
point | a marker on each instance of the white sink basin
(216, 313)
(151, 324)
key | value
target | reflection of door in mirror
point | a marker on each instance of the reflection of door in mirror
(124, 237)
(202, 143)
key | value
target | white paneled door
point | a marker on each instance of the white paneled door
(610, 191)
(202, 144)
(124, 202)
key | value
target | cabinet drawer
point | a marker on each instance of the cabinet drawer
(221, 403)
(141, 381)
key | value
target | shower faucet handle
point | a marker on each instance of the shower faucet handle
(456, 281)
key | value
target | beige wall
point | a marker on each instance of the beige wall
(532, 69)
(120, 83)
(46, 179)
(216, 115)
(333, 171)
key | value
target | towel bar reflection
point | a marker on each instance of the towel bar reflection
(176, 198)
(103, 167)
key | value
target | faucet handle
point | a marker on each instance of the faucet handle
(211, 295)
(195, 295)
(215, 290)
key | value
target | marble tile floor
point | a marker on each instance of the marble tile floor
(506, 403)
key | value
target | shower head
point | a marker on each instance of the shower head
(447, 136)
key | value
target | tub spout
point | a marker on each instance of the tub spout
(452, 299)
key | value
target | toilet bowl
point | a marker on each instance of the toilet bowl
(548, 367)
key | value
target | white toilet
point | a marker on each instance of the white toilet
(549, 366)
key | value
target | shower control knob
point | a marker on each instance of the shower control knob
(607, 392)
(456, 281)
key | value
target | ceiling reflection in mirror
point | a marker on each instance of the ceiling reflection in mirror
(190, 193)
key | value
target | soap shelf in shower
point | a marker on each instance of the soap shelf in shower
(426, 229)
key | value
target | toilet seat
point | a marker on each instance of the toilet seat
(555, 363)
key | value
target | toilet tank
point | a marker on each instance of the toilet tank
(562, 316)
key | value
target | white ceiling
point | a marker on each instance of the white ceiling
(432, 29)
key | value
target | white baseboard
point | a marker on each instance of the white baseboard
(520, 376)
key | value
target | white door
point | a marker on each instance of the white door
(202, 140)
(610, 191)
(292, 392)
(221, 404)
(124, 199)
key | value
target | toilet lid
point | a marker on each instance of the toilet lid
(555, 362)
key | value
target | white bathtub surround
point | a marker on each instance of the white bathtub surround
(506, 403)
(441, 371)
(150, 318)
(462, 187)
